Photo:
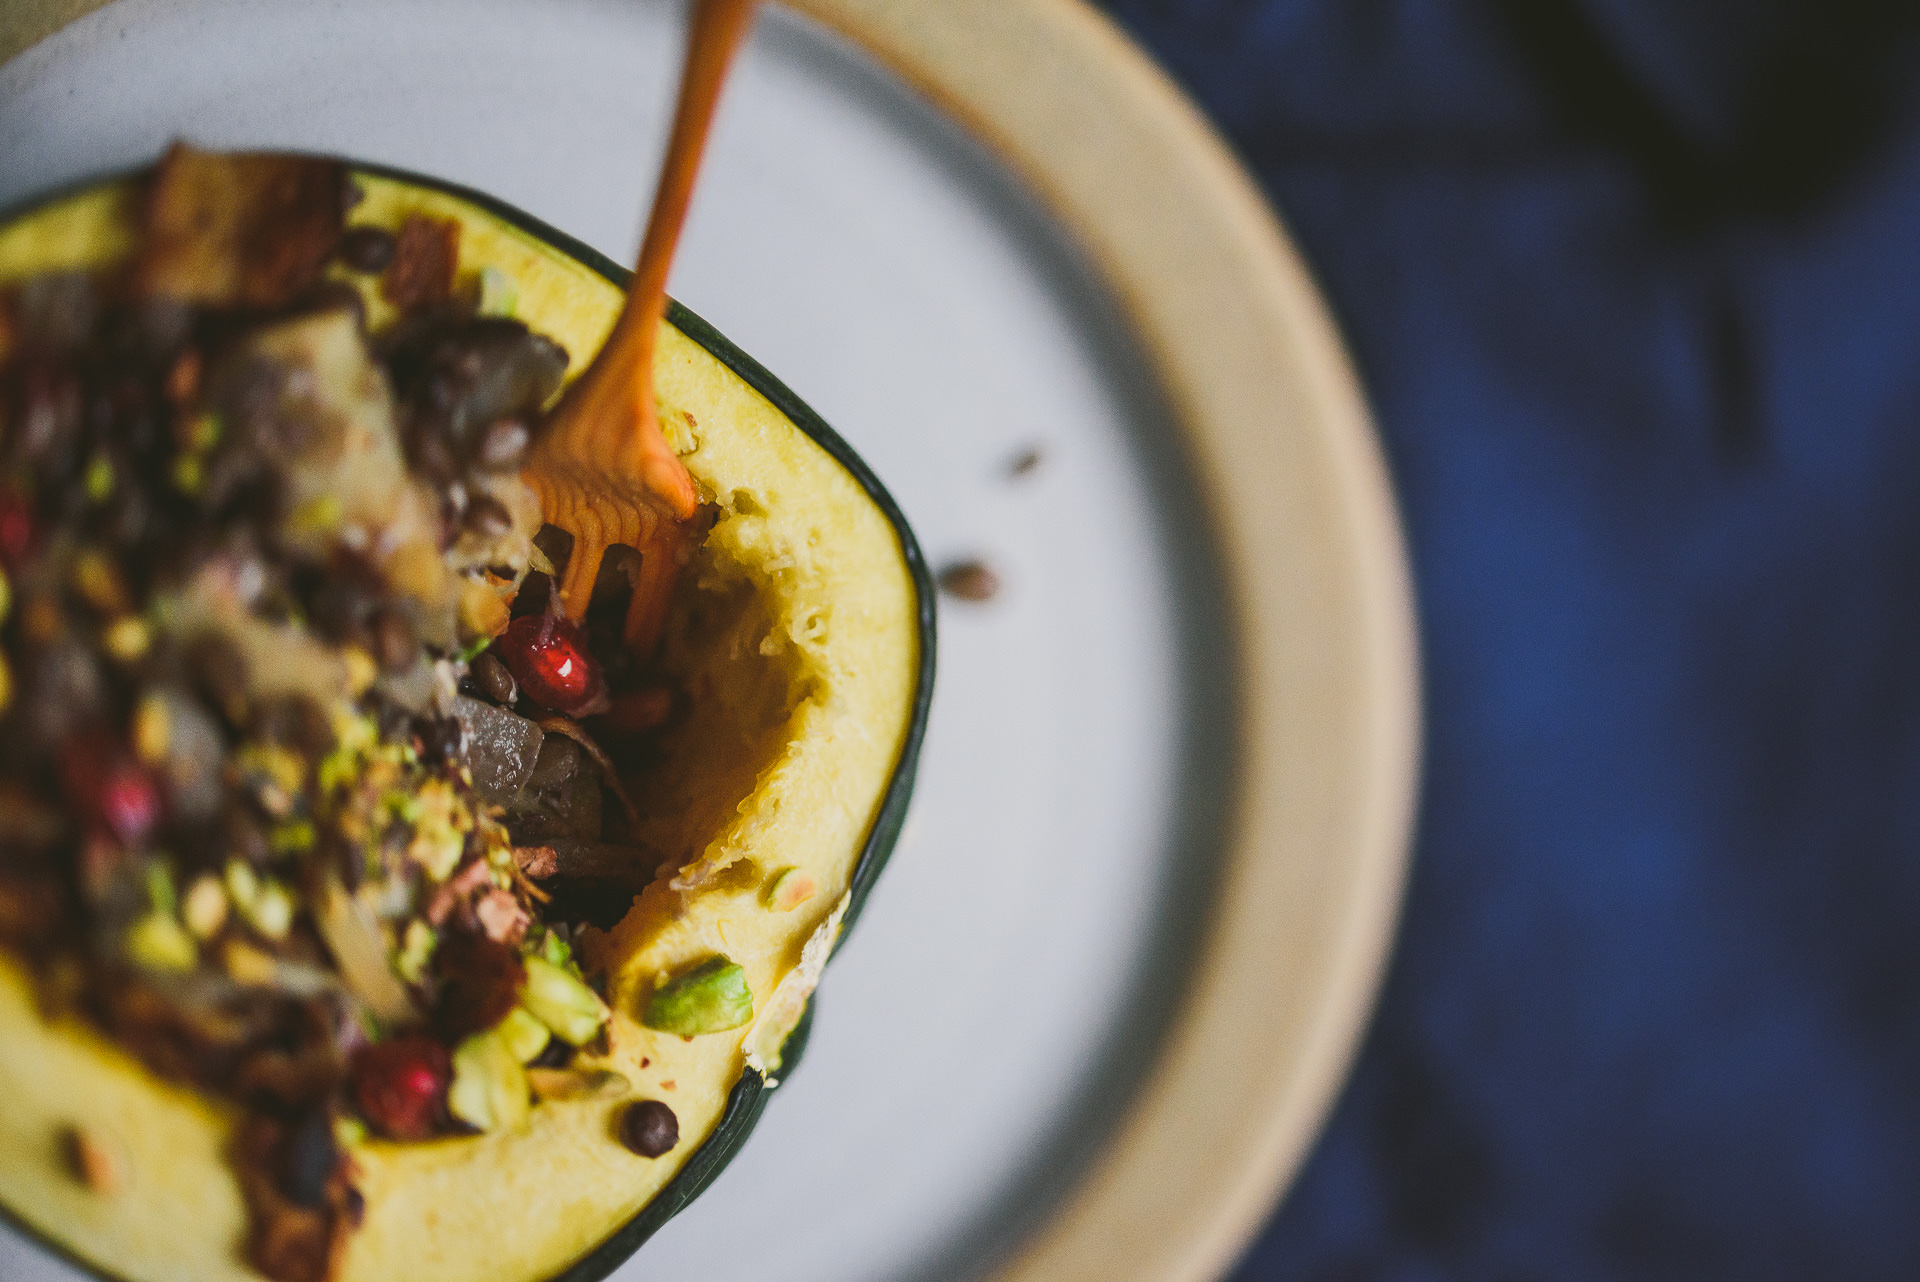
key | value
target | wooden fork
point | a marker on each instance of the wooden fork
(602, 468)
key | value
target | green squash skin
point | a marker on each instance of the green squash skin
(751, 1093)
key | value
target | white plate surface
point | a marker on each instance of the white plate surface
(986, 1016)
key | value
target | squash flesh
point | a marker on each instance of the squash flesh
(798, 637)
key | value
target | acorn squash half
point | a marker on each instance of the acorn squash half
(805, 629)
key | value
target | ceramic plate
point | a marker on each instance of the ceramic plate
(1104, 994)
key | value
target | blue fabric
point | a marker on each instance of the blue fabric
(1634, 286)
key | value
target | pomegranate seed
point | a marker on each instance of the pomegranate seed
(130, 803)
(16, 528)
(400, 1086)
(548, 657)
(115, 792)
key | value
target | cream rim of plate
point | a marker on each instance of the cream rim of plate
(1303, 523)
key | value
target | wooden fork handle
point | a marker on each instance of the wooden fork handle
(718, 29)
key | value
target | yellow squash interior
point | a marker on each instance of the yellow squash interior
(798, 638)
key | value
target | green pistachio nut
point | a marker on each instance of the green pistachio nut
(158, 942)
(562, 1002)
(711, 998)
(788, 888)
(489, 1088)
(524, 1035)
(499, 295)
(417, 947)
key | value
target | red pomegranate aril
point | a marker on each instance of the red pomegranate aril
(130, 803)
(16, 529)
(548, 657)
(400, 1086)
(116, 793)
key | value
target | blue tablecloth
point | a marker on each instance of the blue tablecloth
(1634, 286)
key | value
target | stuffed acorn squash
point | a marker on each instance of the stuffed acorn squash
(361, 915)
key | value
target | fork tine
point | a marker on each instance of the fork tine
(647, 610)
(583, 565)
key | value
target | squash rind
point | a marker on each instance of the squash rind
(748, 1096)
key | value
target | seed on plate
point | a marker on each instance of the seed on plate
(649, 1128)
(972, 580)
(1025, 463)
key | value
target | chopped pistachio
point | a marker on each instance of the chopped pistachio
(269, 910)
(562, 1002)
(243, 884)
(362, 671)
(292, 838)
(97, 579)
(489, 1088)
(158, 942)
(189, 474)
(318, 515)
(275, 774)
(127, 638)
(711, 998)
(416, 950)
(99, 479)
(556, 949)
(152, 730)
(205, 907)
(474, 648)
(161, 893)
(204, 432)
(499, 295)
(349, 1131)
(440, 827)
(247, 965)
(524, 1035)
(788, 888)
